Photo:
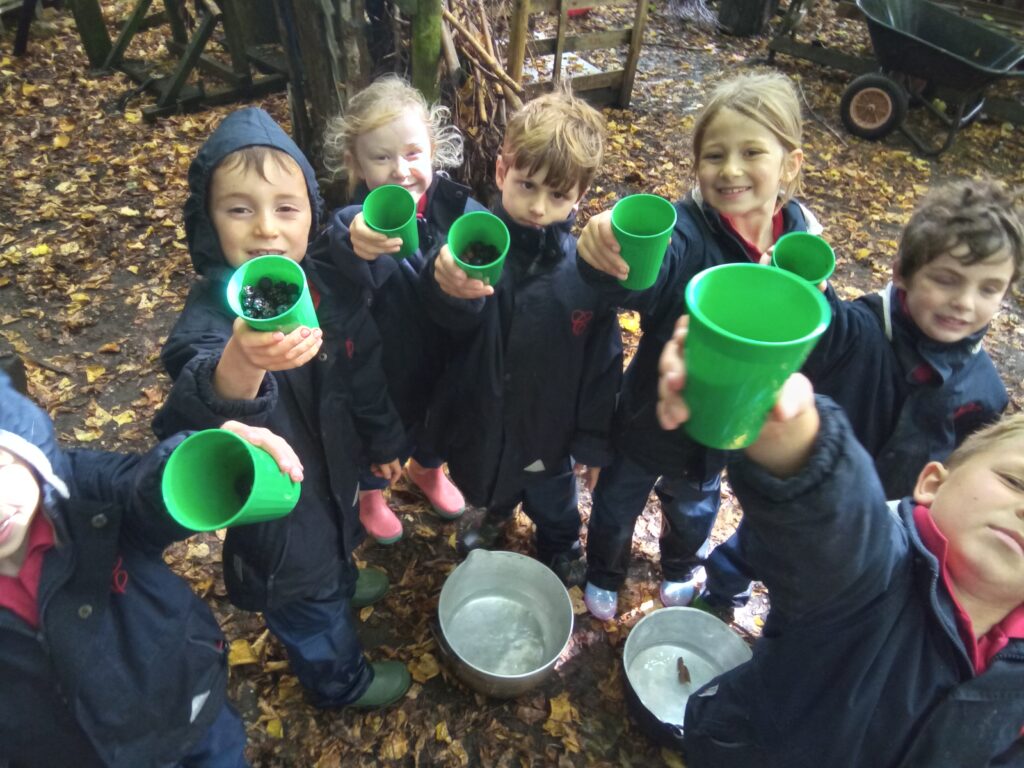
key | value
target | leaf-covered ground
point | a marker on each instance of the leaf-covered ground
(93, 270)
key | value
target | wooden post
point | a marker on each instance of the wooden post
(517, 39)
(636, 40)
(426, 47)
(95, 39)
(563, 22)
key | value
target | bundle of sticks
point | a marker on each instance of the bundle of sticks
(484, 93)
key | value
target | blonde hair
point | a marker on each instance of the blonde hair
(560, 133)
(1008, 429)
(378, 104)
(770, 98)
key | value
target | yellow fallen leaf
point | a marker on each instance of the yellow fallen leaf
(125, 417)
(82, 297)
(441, 732)
(424, 668)
(110, 347)
(93, 372)
(87, 435)
(133, 269)
(127, 211)
(365, 612)
(672, 760)
(39, 250)
(459, 751)
(630, 322)
(240, 653)
(394, 747)
(61, 140)
(133, 115)
(27, 89)
(68, 249)
(274, 728)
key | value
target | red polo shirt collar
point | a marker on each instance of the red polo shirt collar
(20, 593)
(982, 649)
(753, 252)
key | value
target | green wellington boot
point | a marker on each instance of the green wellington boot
(390, 682)
(371, 586)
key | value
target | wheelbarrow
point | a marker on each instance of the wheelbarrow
(925, 49)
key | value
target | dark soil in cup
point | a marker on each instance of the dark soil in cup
(479, 254)
(268, 299)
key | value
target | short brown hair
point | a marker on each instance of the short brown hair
(558, 132)
(254, 158)
(770, 98)
(1007, 429)
(378, 104)
(979, 214)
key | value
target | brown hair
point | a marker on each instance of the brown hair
(769, 98)
(979, 214)
(558, 132)
(254, 158)
(1007, 429)
(378, 104)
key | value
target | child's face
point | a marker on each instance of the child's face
(19, 500)
(950, 300)
(396, 153)
(254, 216)
(742, 165)
(979, 507)
(529, 201)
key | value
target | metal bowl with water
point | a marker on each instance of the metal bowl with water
(655, 686)
(504, 619)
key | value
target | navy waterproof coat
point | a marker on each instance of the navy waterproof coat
(700, 240)
(127, 667)
(860, 664)
(334, 411)
(415, 350)
(535, 369)
(910, 399)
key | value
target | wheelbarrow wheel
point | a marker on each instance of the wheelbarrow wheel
(873, 106)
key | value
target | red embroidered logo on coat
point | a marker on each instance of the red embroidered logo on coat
(963, 410)
(580, 320)
(119, 578)
(350, 348)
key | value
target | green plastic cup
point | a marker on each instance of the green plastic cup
(643, 226)
(751, 326)
(300, 313)
(484, 228)
(805, 255)
(215, 479)
(391, 210)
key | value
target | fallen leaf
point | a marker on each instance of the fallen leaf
(240, 653)
(93, 372)
(424, 668)
(395, 746)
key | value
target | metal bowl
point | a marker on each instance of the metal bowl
(504, 619)
(655, 688)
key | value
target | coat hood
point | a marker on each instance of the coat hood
(247, 127)
(27, 432)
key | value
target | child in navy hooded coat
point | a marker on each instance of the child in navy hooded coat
(253, 192)
(107, 658)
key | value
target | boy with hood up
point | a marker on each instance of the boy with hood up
(106, 657)
(252, 192)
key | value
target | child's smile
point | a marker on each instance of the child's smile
(399, 153)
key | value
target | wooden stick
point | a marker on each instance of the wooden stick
(486, 57)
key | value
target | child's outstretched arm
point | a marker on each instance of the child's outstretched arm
(599, 248)
(454, 281)
(369, 244)
(249, 354)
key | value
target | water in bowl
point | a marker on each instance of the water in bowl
(654, 675)
(497, 633)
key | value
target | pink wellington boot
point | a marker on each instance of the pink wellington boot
(442, 494)
(378, 519)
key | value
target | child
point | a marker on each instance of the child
(538, 357)
(252, 192)
(906, 364)
(893, 640)
(107, 658)
(747, 157)
(388, 135)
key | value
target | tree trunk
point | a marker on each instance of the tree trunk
(426, 48)
(329, 42)
(745, 17)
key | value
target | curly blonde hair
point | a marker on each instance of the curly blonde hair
(769, 98)
(560, 132)
(378, 104)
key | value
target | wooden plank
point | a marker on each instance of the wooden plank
(634, 54)
(178, 32)
(131, 26)
(92, 30)
(858, 65)
(553, 6)
(590, 41)
(194, 49)
(234, 38)
(210, 66)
